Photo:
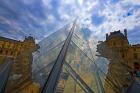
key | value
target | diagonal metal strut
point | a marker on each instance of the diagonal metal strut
(51, 82)
(78, 79)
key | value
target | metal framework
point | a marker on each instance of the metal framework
(54, 75)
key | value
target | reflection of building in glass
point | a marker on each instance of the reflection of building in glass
(119, 43)
(21, 53)
(121, 54)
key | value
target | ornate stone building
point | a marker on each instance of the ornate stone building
(123, 58)
(21, 73)
(118, 42)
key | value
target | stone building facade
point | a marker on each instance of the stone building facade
(123, 58)
(118, 42)
(21, 73)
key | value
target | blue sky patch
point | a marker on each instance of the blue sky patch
(42, 17)
(97, 20)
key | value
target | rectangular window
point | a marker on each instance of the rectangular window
(114, 43)
(123, 56)
(135, 56)
(0, 51)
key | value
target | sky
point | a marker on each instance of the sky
(20, 18)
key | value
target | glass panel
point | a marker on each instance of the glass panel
(43, 61)
(72, 86)
(67, 83)
(81, 39)
(44, 64)
(81, 64)
(48, 52)
(54, 39)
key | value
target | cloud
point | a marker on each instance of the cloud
(117, 18)
(23, 17)
(135, 32)
(41, 17)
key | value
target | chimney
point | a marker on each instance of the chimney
(125, 33)
(106, 36)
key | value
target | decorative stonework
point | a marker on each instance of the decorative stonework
(21, 53)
